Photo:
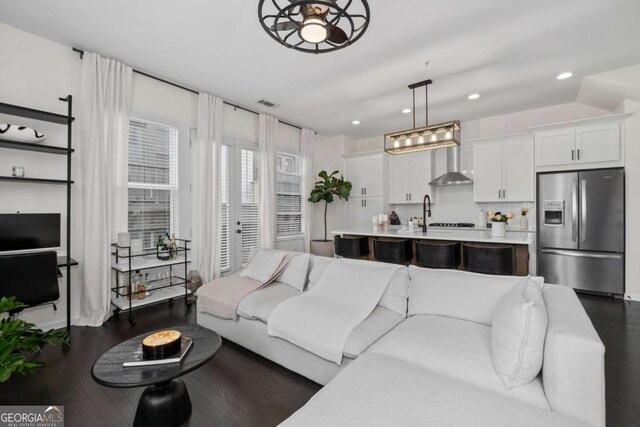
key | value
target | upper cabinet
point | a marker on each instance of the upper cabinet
(365, 174)
(409, 177)
(587, 143)
(503, 169)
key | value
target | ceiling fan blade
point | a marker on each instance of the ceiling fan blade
(337, 35)
(285, 26)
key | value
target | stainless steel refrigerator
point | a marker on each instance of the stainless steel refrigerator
(581, 229)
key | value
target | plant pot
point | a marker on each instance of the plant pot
(499, 229)
(524, 223)
(322, 248)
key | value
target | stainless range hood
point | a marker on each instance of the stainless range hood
(453, 175)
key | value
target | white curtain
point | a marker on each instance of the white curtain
(205, 192)
(308, 138)
(268, 141)
(103, 118)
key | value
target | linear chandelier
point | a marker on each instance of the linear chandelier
(428, 137)
(314, 26)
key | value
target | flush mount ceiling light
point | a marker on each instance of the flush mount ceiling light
(474, 96)
(429, 137)
(563, 76)
(406, 111)
(314, 26)
(355, 122)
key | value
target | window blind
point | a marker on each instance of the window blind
(250, 200)
(225, 260)
(153, 207)
(288, 195)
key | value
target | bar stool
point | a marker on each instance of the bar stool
(393, 251)
(438, 254)
(351, 246)
(499, 260)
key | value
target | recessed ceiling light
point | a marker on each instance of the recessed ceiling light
(355, 122)
(474, 96)
(406, 111)
(563, 76)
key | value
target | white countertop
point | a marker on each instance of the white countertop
(456, 235)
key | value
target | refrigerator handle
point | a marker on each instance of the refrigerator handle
(574, 211)
(583, 210)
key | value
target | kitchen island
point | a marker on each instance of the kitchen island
(521, 241)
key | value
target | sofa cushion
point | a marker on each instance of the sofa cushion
(517, 335)
(317, 265)
(378, 390)
(459, 294)
(458, 348)
(264, 263)
(379, 322)
(394, 297)
(259, 304)
(295, 275)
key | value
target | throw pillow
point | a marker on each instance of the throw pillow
(295, 275)
(517, 334)
(263, 265)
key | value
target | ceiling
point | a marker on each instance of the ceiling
(508, 51)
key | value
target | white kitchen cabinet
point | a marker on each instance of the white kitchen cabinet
(365, 175)
(360, 211)
(409, 177)
(503, 169)
(580, 144)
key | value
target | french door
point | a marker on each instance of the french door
(240, 203)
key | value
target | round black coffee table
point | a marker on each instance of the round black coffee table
(165, 401)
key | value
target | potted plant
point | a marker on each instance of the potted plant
(499, 223)
(326, 190)
(19, 338)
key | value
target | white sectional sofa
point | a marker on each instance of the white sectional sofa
(430, 362)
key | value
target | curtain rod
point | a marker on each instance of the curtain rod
(81, 52)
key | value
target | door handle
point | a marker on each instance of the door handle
(499, 196)
(574, 208)
(583, 210)
(365, 203)
(504, 194)
(365, 192)
(578, 154)
(580, 254)
(573, 154)
(409, 196)
(239, 231)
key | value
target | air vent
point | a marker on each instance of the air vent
(268, 103)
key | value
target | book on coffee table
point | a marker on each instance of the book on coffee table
(138, 360)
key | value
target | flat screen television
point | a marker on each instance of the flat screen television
(28, 231)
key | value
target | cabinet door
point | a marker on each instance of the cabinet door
(555, 147)
(598, 143)
(371, 174)
(355, 213)
(518, 171)
(487, 170)
(399, 178)
(354, 175)
(372, 206)
(421, 175)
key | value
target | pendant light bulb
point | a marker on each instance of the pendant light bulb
(407, 142)
(447, 136)
(396, 144)
(313, 29)
(421, 139)
(434, 137)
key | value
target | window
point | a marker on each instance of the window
(289, 195)
(153, 180)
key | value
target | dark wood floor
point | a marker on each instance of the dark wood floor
(240, 388)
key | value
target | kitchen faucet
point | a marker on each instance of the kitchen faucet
(425, 212)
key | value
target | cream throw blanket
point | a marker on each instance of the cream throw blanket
(321, 319)
(221, 297)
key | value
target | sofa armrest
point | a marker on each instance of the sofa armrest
(573, 366)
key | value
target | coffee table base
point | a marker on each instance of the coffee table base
(163, 405)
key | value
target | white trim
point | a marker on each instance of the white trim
(363, 153)
(632, 297)
(290, 237)
(588, 120)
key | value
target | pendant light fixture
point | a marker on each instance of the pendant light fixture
(428, 137)
(314, 26)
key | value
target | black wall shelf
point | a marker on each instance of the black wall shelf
(62, 119)
(16, 110)
(29, 146)
(35, 180)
